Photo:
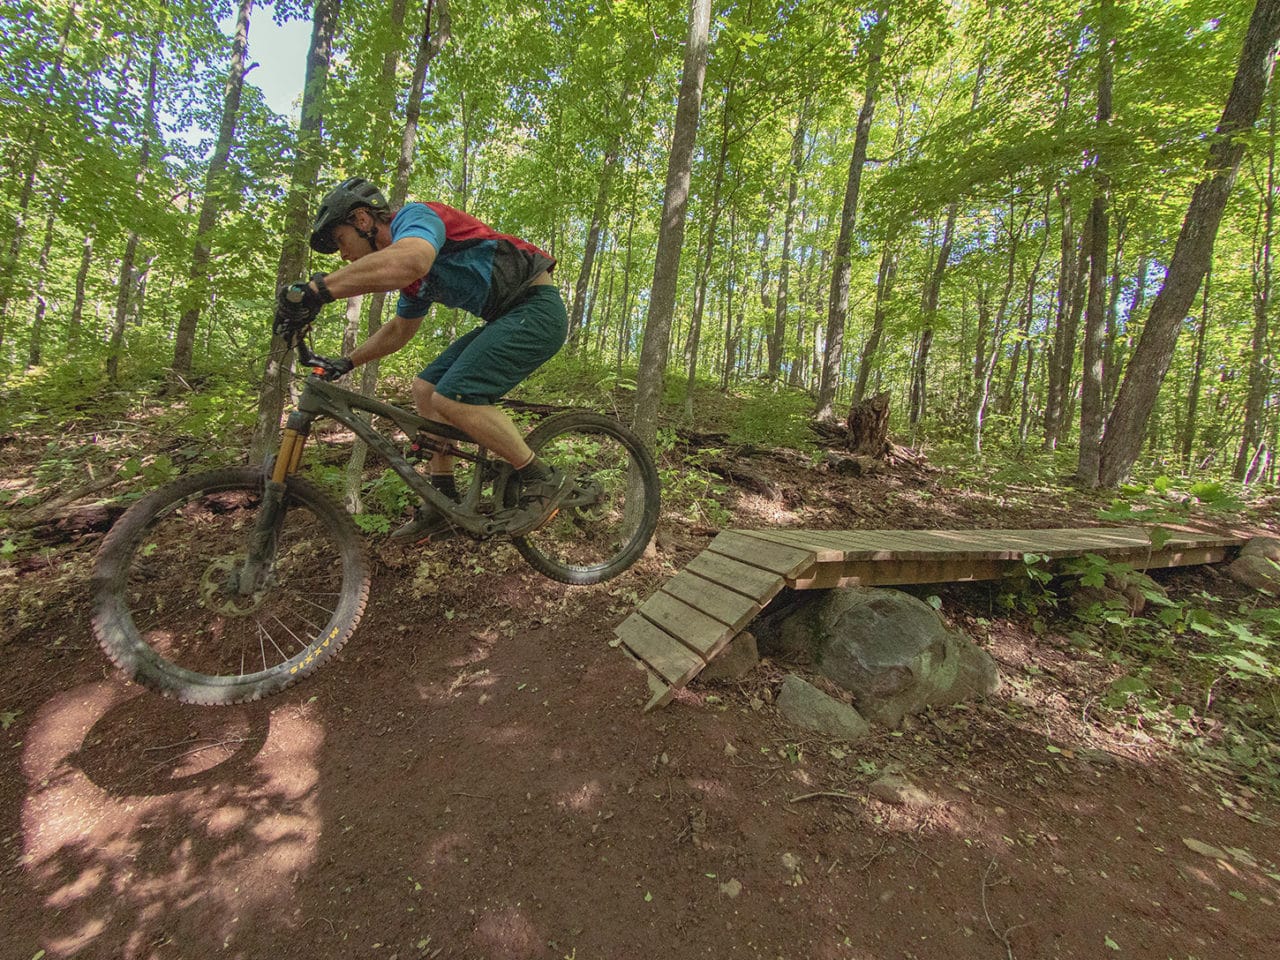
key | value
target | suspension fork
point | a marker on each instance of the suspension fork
(266, 529)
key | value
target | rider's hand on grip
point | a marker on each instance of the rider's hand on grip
(327, 369)
(296, 306)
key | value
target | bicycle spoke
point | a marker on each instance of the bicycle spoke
(300, 643)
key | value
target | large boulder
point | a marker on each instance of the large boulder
(890, 650)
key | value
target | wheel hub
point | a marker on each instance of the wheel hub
(219, 588)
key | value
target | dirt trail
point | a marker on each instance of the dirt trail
(474, 778)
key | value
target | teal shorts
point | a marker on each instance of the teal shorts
(481, 366)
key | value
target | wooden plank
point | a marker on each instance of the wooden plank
(696, 630)
(730, 608)
(871, 573)
(774, 557)
(760, 585)
(817, 551)
(960, 569)
(917, 545)
(851, 544)
(661, 652)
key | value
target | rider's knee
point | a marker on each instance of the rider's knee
(423, 396)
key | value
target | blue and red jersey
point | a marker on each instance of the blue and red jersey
(476, 269)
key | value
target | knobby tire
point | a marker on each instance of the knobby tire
(591, 543)
(161, 592)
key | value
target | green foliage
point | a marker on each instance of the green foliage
(386, 498)
(772, 417)
(1029, 590)
(1183, 658)
(689, 489)
(1167, 500)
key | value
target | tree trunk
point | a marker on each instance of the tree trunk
(884, 289)
(662, 297)
(293, 253)
(624, 325)
(777, 340)
(1022, 351)
(1141, 386)
(732, 338)
(842, 262)
(928, 313)
(1092, 412)
(1197, 376)
(868, 424)
(35, 347)
(76, 322)
(127, 276)
(1061, 357)
(593, 239)
(9, 268)
(708, 253)
(986, 360)
(197, 293)
(1260, 375)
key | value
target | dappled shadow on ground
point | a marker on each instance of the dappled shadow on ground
(145, 824)
(121, 756)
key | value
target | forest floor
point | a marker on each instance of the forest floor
(475, 777)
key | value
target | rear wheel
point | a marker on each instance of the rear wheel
(175, 610)
(611, 513)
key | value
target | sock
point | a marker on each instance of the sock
(533, 471)
(445, 483)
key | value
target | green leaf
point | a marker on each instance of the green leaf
(1207, 491)
(1111, 944)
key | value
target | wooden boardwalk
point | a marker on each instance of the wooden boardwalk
(678, 630)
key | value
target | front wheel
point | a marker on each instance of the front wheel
(611, 513)
(179, 607)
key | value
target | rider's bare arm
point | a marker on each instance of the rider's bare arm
(391, 336)
(390, 268)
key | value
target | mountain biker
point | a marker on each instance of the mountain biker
(433, 253)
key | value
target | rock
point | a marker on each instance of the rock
(1116, 590)
(1257, 572)
(806, 706)
(731, 889)
(900, 792)
(1268, 547)
(892, 651)
(735, 661)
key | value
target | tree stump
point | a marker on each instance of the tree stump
(869, 427)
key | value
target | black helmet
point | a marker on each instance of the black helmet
(339, 203)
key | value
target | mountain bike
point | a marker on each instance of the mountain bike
(229, 585)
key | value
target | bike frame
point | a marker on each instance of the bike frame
(320, 398)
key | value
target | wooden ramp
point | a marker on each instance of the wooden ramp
(678, 630)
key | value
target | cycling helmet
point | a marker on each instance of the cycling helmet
(339, 203)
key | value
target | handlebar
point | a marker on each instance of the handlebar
(320, 365)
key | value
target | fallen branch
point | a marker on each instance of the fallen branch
(50, 511)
